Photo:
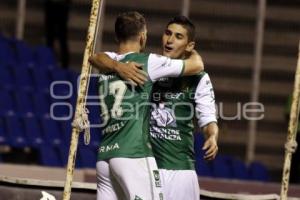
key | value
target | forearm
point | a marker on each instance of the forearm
(193, 65)
(211, 130)
(103, 63)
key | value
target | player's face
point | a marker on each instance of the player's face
(175, 41)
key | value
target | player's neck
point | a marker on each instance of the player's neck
(129, 46)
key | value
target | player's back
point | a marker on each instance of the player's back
(125, 115)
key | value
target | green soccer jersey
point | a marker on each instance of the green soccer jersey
(178, 101)
(125, 109)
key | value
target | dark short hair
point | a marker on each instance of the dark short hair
(128, 25)
(186, 23)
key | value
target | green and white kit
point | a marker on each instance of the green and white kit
(125, 109)
(125, 148)
(180, 102)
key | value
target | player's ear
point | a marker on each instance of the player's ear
(143, 38)
(144, 35)
(190, 47)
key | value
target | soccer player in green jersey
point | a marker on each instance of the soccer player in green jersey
(125, 158)
(179, 101)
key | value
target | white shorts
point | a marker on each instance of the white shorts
(128, 178)
(180, 184)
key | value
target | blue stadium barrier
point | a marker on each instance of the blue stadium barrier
(87, 157)
(6, 78)
(51, 132)
(24, 54)
(63, 90)
(48, 156)
(24, 102)
(33, 131)
(61, 111)
(63, 155)
(258, 171)
(66, 130)
(240, 170)
(15, 131)
(41, 103)
(95, 138)
(44, 57)
(221, 167)
(7, 104)
(41, 79)
(58, 74)
(202, 167)
(23, 78)
(3, 136)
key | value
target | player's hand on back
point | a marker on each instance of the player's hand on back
(132, 72)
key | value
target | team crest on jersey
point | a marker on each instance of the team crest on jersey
(163, 116)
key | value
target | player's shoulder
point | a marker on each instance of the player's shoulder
(158, 58)
(112, 55)
(198, 77)
(137, 56)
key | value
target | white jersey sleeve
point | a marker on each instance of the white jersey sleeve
(112, 55)
(161, 67)
(116, 56)
(205, 102)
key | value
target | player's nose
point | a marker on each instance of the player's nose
(170, 39)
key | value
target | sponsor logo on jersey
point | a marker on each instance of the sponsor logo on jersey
(170, 95)
(157, 178)
(113, 128)
(165, 133)
(109, 148)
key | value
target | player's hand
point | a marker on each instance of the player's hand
(132, 72)
(211, 148)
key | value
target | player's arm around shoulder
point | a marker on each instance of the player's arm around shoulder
(193, 65)
(161, 66)
(104, 62)
(108, 62)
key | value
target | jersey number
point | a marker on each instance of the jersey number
(117, 89)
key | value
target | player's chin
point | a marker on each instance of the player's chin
(168, 54)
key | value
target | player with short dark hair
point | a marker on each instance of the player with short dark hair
(128, 25)
(172, 121)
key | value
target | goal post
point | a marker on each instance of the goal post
(80, 112)
(291, 143)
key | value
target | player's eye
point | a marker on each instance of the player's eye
(168, 32)
(179, 36)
